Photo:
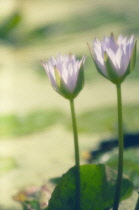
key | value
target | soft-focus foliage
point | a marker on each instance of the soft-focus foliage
(33, 197)
(7, 164)
(131, 162)
(16, 125)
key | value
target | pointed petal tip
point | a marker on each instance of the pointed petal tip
(112, 34)
(89, 47)
(42, 62)
(95, 40)
(83, 60)
(91, 53)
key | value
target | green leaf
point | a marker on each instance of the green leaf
(131, 163)
(31, 205)
(9, 24)
(130, 203)
(55, 180)
(97, 189)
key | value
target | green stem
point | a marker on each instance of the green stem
(121, 146)
(77, 160)
(137, 204)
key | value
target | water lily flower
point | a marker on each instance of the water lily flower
(114, 59)
(66, 74)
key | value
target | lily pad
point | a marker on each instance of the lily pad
(97, 189)
(131, 163)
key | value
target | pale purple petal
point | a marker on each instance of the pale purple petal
(101, 66)
(112, 56)
(97, 46)
(122, 61)
(120, 39)
(118, 52)
(50, 73)
(68, 68)
(118, 58)
(109, 43)
(131, 45)
(124, 41)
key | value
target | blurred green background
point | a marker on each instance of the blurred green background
(35, 128)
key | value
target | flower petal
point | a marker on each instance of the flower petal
(114, 60)
(63, 72)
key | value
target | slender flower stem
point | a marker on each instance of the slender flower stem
(77, 160)
(121, 146)
(137, 204)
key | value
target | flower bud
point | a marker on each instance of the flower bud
(114, 59)
(65, 74)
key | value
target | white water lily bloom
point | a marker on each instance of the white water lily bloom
(114, 59)
(65, 74)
